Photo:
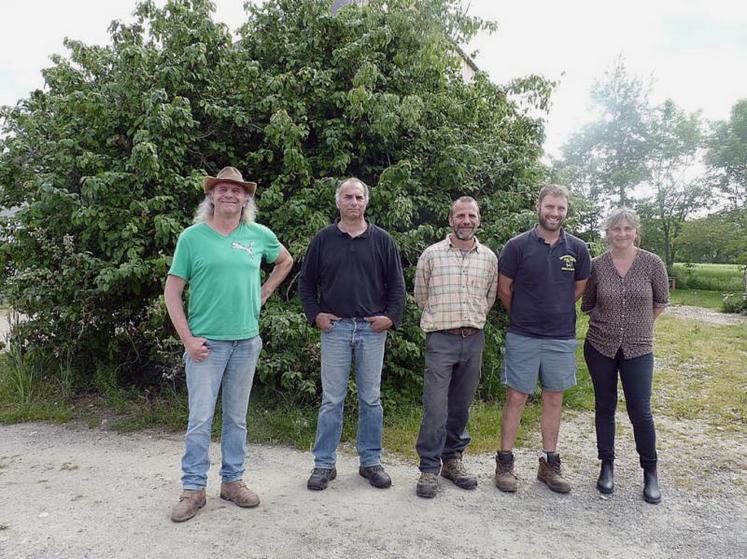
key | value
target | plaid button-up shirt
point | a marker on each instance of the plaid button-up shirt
(455, 289)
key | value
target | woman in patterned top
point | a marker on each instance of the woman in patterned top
(627, 291)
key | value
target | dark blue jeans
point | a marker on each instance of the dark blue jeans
(636, 375)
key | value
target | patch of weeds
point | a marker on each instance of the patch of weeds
(275, 421)
(137, 410)
(18, 374)
(704, 374)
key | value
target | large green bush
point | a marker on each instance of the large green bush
(104, 164)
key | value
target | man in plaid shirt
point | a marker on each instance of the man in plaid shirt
(455, 287)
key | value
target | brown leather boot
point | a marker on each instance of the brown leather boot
(239, 493)
(454, 470)
(505, 480)
(550, 474)
(189, 503)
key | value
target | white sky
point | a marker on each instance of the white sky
(696, 50)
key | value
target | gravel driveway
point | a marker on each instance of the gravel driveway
(73, 492)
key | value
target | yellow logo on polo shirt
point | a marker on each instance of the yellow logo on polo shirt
(569, 263)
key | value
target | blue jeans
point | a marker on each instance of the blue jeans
(230, 365)
(350, 339)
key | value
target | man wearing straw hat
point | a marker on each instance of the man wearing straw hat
(219, 256)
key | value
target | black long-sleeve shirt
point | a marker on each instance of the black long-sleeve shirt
(353, 277)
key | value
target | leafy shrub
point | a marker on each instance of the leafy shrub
(105, 166)
(735, 303)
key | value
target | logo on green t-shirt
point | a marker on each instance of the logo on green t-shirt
(249, 248)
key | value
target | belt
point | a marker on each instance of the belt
(462, 332)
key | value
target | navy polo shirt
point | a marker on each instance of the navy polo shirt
(352, 277)
(544, 277)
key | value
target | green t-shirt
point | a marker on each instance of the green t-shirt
(224, 280)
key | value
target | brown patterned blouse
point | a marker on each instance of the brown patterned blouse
(621, 309)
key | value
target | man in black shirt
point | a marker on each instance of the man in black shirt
(353, 290)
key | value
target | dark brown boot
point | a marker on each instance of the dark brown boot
(505, 480)
(549, 473)
(453, 469)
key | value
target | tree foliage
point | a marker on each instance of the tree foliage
(639, 155)
(720, 238)
(105, 166)
(674, 140)
(607, 158)
(727, 155)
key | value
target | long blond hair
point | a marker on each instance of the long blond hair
(206, 209)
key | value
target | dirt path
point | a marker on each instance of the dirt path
(72, 492)
(706, 315)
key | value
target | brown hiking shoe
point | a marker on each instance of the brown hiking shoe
(505, 479)
(189, 503)
(239, 493)
(549, 473)
(454, 470)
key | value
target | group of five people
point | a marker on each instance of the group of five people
(353, 290)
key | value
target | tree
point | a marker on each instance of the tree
(673, 140)
(105, 164)
(719, 238)
(607, 158)
(727, 155)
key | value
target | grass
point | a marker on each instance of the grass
(700, 374)
(697, 298)
(710, 277)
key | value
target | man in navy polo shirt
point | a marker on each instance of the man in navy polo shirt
(543, 272)
(353, 290)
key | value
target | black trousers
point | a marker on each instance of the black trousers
(452, 373)
(636, 375)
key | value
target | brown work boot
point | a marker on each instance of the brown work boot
(239, 493)
(505, 480)
(190, 502)
(549, 473)
(454, 470)
(427, 486)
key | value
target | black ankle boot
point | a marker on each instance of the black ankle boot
(606, 481)
(651, 493)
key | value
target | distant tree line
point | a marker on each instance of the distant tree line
(686, 177)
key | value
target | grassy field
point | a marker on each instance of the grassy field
(701, 374)
(697, 298)
(710, 277)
